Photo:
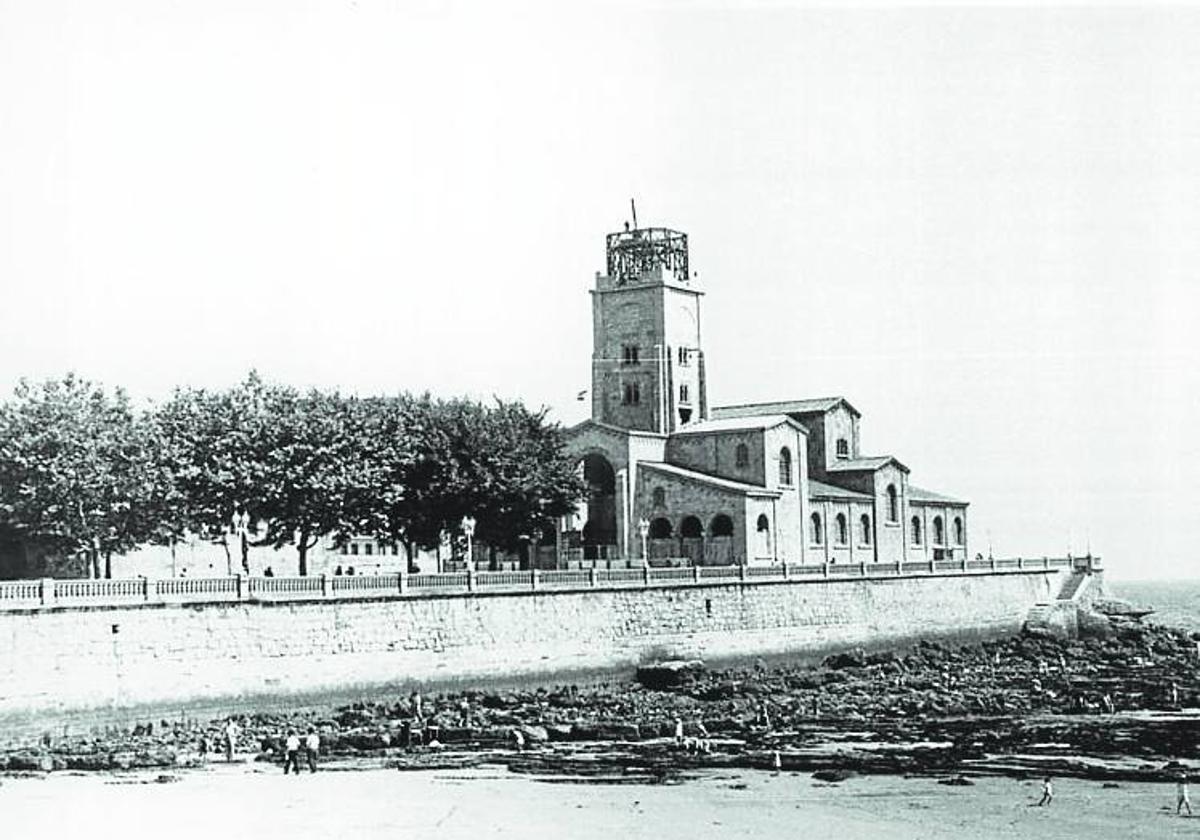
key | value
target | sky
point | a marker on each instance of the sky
(981, 225)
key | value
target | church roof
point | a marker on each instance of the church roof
(819, 405)
(864, 464)
(821, 490)
(738, 424)
(916, 494)
(711, 480)
(609, 427)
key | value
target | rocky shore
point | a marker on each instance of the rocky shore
(1108, 706)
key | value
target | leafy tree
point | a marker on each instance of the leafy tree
(78, 472)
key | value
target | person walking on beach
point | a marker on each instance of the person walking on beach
(1047, 792)
(312, 745)
(291, 753)
(231, 736)
(1182, 799)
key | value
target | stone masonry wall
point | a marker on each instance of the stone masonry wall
(69, 659)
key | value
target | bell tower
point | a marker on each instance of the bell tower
(647, 362)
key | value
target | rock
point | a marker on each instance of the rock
(29, 760)
(850, 659)
(1095, 625)
(956, 781)
(535, 734)
(669, 674)
(834, 775)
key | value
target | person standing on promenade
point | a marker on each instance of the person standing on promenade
(312, 745)
(291, 753)
(231, 736)
(1047, 792)
(1182, 797)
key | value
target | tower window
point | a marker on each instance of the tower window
(816, 529)
(865, 526)
(633, 394)
(741, 457)
(916, 530)
(683, 356)
(785, 466)
(893, 506)
(684, 396)
(369, 549)
(843, 448)
(939, 533)
(842, 536)
(959, 534)
(629, 354)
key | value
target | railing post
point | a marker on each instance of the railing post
(646, 575)
(534, 580)
(149, 589)
(932, 566)
(592, 577)
(470, 579)
(1045, 562)
(992, 562)
(47, 591)
(695, 574)
(825, 571)
(1020, 562)
(243, 587)
(785, 570)
(862, 569)
(402, 582)
(326, 586)
(964, 562)
(742, 571)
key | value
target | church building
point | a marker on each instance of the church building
(672, 477)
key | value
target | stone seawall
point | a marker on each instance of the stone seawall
(62, 660)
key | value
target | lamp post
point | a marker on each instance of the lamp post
(468, 529)
(241, 528)
(643, 527)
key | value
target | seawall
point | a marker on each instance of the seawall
(56, 660)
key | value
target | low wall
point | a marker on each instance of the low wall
(62, 659)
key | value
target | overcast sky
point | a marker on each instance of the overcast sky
(981, 226)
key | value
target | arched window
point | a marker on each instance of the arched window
(741, 458)
(660, 529)
(893, 504)
(764, 535)
(691, 528)
(939, 531)
(721, 526)
(816, 534)
(843, 448)
(864, 525)
(916, 530)
(842, 536)
(785, 466)
(958, 531)
(660, 497)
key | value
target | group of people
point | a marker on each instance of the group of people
(291, 751)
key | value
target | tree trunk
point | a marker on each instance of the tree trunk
(302, 552)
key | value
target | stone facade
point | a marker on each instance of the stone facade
(790, 475)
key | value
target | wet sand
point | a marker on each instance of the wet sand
(250, 800)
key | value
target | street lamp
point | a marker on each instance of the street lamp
(468, 529)
(643, 527)
(241, 528)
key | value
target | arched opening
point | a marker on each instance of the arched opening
(600, 531)
(660, 529)
(843, 448)
(939, 531)
(719, 549)
(721, 526)
(893, 504)
(815, 534)
(691, 540)
(864, 529)
(959, 536)
(763, 527)
(843, 535)
(916, 530)
(785, 466)
(741, 457)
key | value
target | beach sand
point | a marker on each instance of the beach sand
(258, 801)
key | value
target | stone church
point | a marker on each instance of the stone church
(673, 477)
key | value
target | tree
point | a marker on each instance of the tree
(295, 462)
(78, 472)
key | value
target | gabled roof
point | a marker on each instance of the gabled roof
(821, 490)
(608, 427)
(920, 496)
(820, 405)
(755, 423)
(710, 480)
(864, 464)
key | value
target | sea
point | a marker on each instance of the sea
(1176, 603)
